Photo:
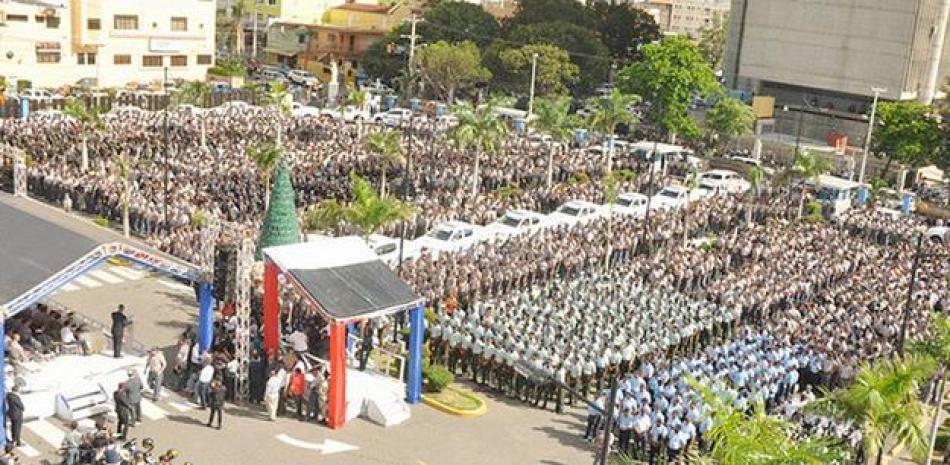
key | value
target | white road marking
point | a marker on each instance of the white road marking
(152, 411)
(87, 282)
(47, 432)
(28, 451)
(329, 446)
(174, 285)
(125, 272)
(180, 406)
(69, 287)
(103, 275)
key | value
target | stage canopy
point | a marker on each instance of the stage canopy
(343, 276)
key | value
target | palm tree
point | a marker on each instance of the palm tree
(691, 184)
(480, 129)
(266, 157)
(884, 402)
(756, 438)
(809, 166)
(553, 118)
(937, 347)
(355, 98)
(608, 113)
(277, 97)
(385, 144)
(90, 119)
(194, 93)
(755, 176)
(125, 167)
(368, 212)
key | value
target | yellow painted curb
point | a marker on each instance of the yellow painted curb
(481, 410)
(118, 261)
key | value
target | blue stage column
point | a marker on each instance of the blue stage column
(3, 385)
(205, 316)
(907, 203)
(863, 195)
(414, 371)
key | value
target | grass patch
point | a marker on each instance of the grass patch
(455, 397)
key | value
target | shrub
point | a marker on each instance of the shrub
(438, 377)
(101, 221)
(813, 212)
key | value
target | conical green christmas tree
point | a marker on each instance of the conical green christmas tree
(280, 223)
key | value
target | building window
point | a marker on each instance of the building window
(18, 18)
(52, 22)
(302, 39)
(122, 59)
(179, 24)
(47, 57)
(179, 60)
(152, 61)
(93, 24)
(125, 22)
(85, 58)
(204, 59)
(271, 2)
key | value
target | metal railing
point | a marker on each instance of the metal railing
(384, 360)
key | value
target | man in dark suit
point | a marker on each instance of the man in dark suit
(119, 322)
(367, 346)
(123, 410)
(15, 415)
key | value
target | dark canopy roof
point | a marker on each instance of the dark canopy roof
(33, 249)
(344, 278)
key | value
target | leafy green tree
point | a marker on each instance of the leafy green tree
(623, 28)
(670, 75)
(446, 21)
(712, 40)
(907, 132)
(281, 225)
(884, 402)
(609, 112)
(480, 130)
(355, 98)
(192, 93)
(530, 12)
(554, 119)
(450, 67)
(89, 119)
(385, 144)
(368, 212)
(809, 167)
(755, 175)
(266, 157)
(730, 118)
(587, 51)
(555, 71)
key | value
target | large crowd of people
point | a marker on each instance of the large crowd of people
(737, 295)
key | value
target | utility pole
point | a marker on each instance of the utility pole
(165, 144)
(867, 141)
(412, 36)
(534, 75)
(910, 294)
(408, 172)
(254, 37)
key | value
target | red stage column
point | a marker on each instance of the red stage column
(336, 404)
(271, 310)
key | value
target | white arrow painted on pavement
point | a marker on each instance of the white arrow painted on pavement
(329, 446)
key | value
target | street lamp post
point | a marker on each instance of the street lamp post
(867, 140)
(165, 144)
(534, 74)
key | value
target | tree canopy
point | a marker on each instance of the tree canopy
(550, 11)
(669, 76)
(906, 132)
(730, 117)
(555, 71)
(450, 67)
(587, 52)
(712, 40)
(623, 28)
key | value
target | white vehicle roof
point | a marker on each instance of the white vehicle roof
(632, 195)
(720, 172)
(660, 147)
(579, 204)
(835, 182)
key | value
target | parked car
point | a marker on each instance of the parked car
(753, 162)
(270, 73)
(54, 116)
(515, 222)
(730, 181)
(234, 106)
(939, 234)
(450, 236)
(631, 203)
(577, 211)
(189, 109)
(353, 114)
(40, 95)
(299, 110)
(304, 78)
(673, 197)
(387, 248)
(393, 117)
(126, 110)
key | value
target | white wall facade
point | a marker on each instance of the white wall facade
(112, 41)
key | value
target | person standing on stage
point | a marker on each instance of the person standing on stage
(119, 322)
(15, 415)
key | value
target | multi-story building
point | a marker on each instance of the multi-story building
(344, 33)
(684, 17)
(107, 43)
(824, 57)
